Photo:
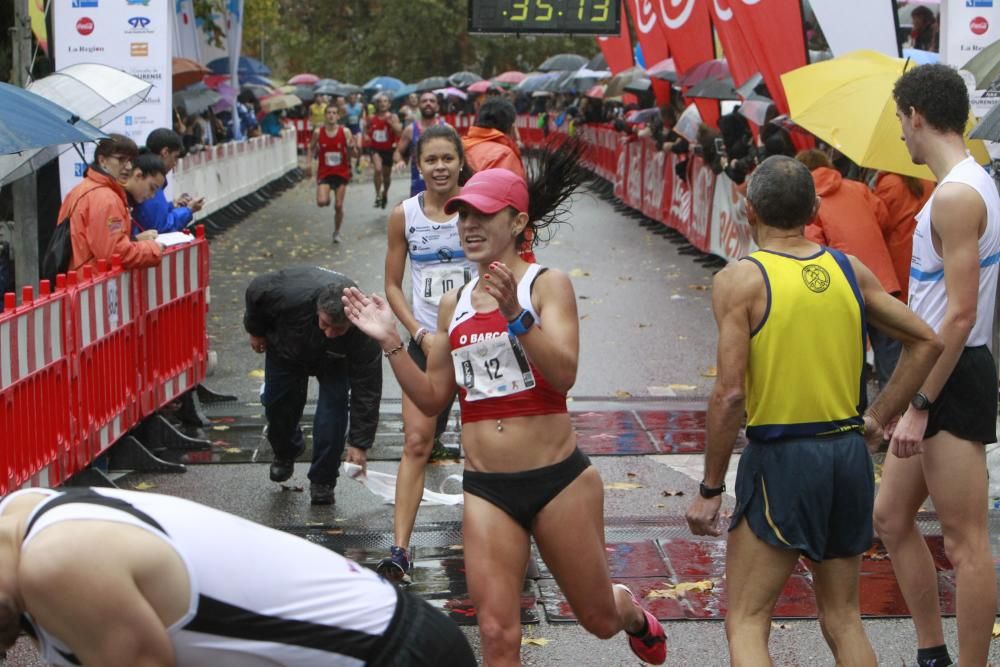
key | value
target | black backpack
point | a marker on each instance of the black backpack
(59, 251)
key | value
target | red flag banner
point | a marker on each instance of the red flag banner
(688, 30)
(652, 41)
(773, 30)
(618, 50)
(739, 55)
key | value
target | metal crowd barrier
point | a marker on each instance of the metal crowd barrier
(82, 365)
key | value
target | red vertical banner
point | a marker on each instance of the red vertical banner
(618, 50)
(688, 30)
(739, 55)
(773, 29)
(652, 40)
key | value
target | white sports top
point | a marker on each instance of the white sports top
(464, 309)
(928, 297)
(321, 608)
(437, 261)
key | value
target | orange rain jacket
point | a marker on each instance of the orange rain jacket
(100, 225)
(853, 220)
(902, 207)
(486, 148)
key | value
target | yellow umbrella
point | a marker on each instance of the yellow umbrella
(847, 102)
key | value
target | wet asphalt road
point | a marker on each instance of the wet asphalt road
(646, 332)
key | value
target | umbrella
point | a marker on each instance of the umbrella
(257, 90)
(346, 89)
(714, 89)
(638, 86)
(562, 82)
(247, 65)
(96, 93)
(304, 93)
(618, 82)
(598, 61)
(989, 126)
(279, 102)
(750, 86)
(848, 103)
(32, 130)
(755, 110)
(510, 77)
(404, 91)
(710, 69)
(432, 83)
(922, 57)
(452, 92)
(985, 65)
(304, 79)
(587, 73)
(459, 79)
(327, 89)
(597, 92)
(381, 83)
(642, 115)
(534, 81)
(562, 62)
(482, 87)
(196, 99)
(665, 70)
(186, 72)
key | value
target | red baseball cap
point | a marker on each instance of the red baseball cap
(490, 191)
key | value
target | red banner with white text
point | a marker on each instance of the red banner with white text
(618, 50)
(652, 41)
(739, 54)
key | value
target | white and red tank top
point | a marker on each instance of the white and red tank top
(333, 158)
(496, 380)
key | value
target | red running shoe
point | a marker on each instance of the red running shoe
(651, 646)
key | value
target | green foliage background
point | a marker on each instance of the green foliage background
(354, 40)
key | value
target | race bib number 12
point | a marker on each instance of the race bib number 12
(492, 368)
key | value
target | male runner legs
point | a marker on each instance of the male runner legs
(937, 446)
(382, 131)
(333, 145)
(411, 135)
(791, 350)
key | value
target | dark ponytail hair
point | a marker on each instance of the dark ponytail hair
(552, 176)
(449, 133)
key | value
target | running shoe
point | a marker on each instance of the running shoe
(385, 200)
(378, 201)
(336, 237)
(651, 645)
(441, 453)
(396, 567)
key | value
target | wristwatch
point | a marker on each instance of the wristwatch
(921, 402)
(521, 324)
(707, 492)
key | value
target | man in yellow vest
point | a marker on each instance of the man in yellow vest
(791, 320)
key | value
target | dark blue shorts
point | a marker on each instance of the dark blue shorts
(813, 495)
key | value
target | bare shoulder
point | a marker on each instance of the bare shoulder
(738, 278)
(552, 282)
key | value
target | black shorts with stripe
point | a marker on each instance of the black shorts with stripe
(813, 495)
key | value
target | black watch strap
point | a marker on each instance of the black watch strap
(707, 492)
(921, 402)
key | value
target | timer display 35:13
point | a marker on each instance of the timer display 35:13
(541, 16)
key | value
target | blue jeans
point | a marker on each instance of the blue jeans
(284, 398)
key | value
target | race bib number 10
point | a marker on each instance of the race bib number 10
(439, 280)
(492, 368)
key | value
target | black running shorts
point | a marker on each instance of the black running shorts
(967, 404)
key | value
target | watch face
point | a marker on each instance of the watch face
(527, 320)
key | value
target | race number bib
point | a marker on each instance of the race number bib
(492, 368)
(333, 159)
(439, 280)
(380, 136)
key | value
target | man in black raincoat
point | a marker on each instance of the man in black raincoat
(296, 317)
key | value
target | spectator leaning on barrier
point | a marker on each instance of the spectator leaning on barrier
(296, 316)
(144, 180)
(853, 220)
(157, 212)
(97, 210)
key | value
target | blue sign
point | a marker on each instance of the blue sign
(138, 22)
(128, 120)
(978, 3)
(134, 3)
(84, 3)
(79, 168)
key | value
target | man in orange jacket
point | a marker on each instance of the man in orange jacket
(855, 221)
(98, 213)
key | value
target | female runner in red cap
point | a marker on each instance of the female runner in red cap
(509, 342)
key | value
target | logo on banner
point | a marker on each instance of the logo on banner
(139, 49)
(645, 16)
(722, 10)
(79, 169)
(979, 25)
(84, 3)
(673, 18)
(147, 74)
(140, 24)
(128, 121)
(85, 26)
(978, 3)
(136, 3)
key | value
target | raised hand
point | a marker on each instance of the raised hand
(501, 284)
(370, 314)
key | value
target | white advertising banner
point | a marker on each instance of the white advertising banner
(845, 33)
(730, 231)
(130, 35)
(967, 27)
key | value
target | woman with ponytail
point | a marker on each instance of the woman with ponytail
(508, 342)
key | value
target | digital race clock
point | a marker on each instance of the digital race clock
(579, 17)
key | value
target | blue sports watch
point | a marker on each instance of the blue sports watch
(521, 324)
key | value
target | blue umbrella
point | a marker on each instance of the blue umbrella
(34, 130)
(404, 91)
(381, 83)
(247, 66)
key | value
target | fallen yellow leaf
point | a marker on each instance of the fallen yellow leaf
(622, 486)
(621, 393)
(675, 591)
(710, 372)
(256, 373)
(144, 486)
(534, 641)
(683, 387)
(996, 629)
(220, 427)
(578, 273)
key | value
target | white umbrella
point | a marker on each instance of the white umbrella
(585, 73)
(96, 94)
